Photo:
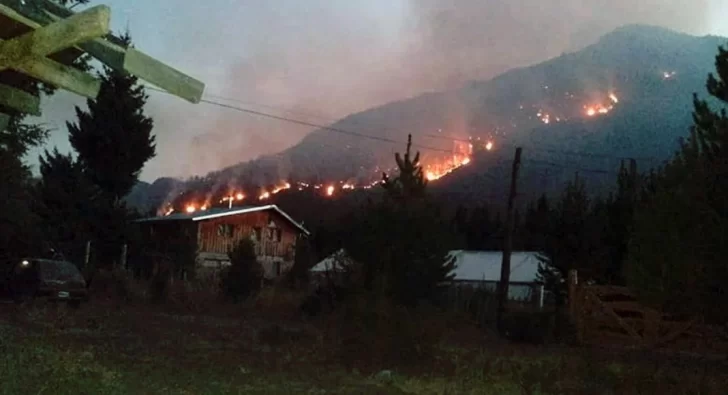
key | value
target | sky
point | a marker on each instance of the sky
(319, 60)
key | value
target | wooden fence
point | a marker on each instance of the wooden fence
(611, 315)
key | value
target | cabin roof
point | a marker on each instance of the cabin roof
(222, 212)
(469, 265)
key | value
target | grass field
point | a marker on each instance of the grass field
(112, 349)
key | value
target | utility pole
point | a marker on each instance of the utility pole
(505, 274)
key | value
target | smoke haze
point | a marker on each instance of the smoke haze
(319, 60)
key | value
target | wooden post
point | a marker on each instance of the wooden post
(505, 274)
(87, 255)
(122, 261)
(540, 297)
(574, 302)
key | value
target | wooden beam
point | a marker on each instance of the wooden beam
(65, 33)
(19, 100)
(163, 76)
(113, 55)
(61, 76)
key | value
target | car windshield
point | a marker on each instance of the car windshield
(59, 271)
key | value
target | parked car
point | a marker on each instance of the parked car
(53, 280)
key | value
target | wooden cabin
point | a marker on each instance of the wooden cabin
(216, 231)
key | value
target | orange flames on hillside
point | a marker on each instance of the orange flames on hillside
(432, 172)
(601, 108)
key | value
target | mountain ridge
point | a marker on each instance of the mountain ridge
(633, 61)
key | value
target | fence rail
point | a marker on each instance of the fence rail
(611, 315)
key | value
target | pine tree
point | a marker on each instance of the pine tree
(113, 138)
(66, 204)
(402, 242)
(410, 183)
(573, 240)
(676, 255)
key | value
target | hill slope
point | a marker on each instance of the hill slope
(549, 109)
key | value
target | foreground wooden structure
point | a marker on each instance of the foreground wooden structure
(609, 315)
(40, 40)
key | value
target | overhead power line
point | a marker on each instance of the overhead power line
(393, 141)
(577, 168)
(311, 124)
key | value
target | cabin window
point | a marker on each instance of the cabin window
(225, 230)
(257, 233)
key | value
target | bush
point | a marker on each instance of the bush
(243, 278)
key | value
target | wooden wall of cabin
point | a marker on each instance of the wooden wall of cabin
(166, 234)
(219, 235)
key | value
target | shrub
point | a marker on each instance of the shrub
(244, 276)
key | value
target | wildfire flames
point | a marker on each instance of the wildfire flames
(601, 109)
(432, 172)
(433, 168)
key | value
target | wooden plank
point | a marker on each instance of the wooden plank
(62, 76)
(163, 76)
(628, 306)
(19, 100)
(614, 315)
(56, 36)
(604, 290)
(677, 331)
(113, 55)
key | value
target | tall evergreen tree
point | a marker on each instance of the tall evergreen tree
(620, 211)
(410, 183)
(677, 253)
(536, 224)
(402, 242)
(573, 240)
(66, 204)
(113, 138)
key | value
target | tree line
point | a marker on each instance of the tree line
(660, 231)
(78, 197)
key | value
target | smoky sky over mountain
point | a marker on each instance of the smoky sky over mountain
(319, 60)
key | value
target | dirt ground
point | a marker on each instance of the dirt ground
(159, 349)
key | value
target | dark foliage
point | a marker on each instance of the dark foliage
(114, 138)
(19, 233)
(573, 240)
(402, 242)
(66, 203)
(244, 277)
(677, 252)
(298, 276)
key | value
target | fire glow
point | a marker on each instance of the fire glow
(434, 169)
(602, 109)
